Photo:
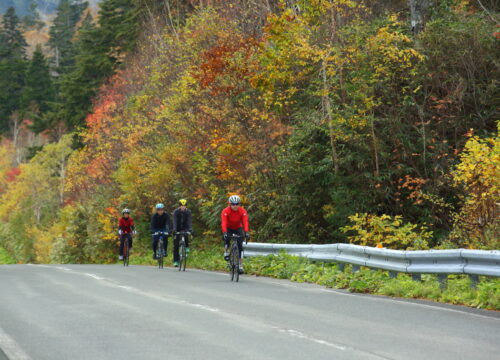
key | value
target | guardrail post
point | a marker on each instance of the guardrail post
(474, 280)
(341, 266)
(443, 281)
(416, 277)
(355, 268)
(393, 274)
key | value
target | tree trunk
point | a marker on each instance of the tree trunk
(418, 10)
(329, 118)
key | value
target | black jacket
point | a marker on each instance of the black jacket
(182, 220)
(160, 222)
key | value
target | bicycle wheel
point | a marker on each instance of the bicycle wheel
(231, 265)
(237, 263)
(159, 254)
(125, 253)
(183, 257)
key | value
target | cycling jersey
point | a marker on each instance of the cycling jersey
(126, 225)
(231, 219)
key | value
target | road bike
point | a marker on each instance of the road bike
(160, 247)
(182, 249)
(126, 249)
(234, 257)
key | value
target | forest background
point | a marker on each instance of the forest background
(372, 122)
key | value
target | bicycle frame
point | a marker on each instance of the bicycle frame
(234, 257)
(160, 249)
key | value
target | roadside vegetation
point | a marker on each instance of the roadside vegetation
(335, 120)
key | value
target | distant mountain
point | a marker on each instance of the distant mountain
(44, 6)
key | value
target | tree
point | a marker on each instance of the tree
(38, 90)
(62, 31)
(33, 17)
(12, 67)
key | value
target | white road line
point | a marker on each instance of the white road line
(384, 299)
(11, 348)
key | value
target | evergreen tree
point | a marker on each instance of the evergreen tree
(91, 68)
(38, 90)
(62, 31)
(33, 17)
(12, 44)
(12, 67)
(99, 49)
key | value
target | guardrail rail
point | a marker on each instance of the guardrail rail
(441, 262)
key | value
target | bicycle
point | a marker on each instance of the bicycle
(126, 252)
(182, 249)
(234, 258)
(160, 249)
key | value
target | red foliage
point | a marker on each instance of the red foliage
(12, 174)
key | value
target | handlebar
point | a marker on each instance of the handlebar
(160, 233)
(182, 233)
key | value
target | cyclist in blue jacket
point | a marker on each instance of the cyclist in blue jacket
(160, 222)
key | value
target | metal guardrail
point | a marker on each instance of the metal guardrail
(441, 262)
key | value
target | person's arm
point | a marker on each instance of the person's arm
(246, 226)
(224, 221)
(152, 228)
(189, 221)
(174, 216)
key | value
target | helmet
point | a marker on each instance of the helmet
(234, 199)
(183, 202)
(125, 211)
(160, 206)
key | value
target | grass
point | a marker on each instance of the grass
(284, 266)
(5, 258)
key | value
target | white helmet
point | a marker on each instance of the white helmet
(125, 211)
(234, 199)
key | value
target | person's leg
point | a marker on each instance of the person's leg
(240, 246)
(130, 237)
(176, 247)
(121, 245)
(154, 244)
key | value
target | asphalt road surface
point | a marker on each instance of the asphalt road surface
(110, 312)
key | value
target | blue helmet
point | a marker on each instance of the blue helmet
(160, 206)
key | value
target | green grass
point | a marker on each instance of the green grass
(284, 266)
(5, 258)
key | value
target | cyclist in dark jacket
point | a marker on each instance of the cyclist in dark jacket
(160, 221)
(182, 222)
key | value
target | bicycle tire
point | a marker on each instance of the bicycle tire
(184, 256)
(231, 266)
(125, 253)
(159, 253)
(181, 258)
(237, 264)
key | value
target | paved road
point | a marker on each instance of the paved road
(109, 312)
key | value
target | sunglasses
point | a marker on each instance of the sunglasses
(235, 204)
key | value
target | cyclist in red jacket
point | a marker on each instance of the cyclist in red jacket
(234, 220)
(125, 229)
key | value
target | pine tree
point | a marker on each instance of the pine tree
(62, 31)
(38, 90)
(92, 66)
(99, 49)
(12, 67)
(33, 18)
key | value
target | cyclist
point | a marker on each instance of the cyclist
(234, 220)
(160, 221)
(125, 229)
(182, 222)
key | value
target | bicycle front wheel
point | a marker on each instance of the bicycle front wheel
(125, 253)
(184, 258)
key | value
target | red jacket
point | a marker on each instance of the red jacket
(126, 225)
(234, 219)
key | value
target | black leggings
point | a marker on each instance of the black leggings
(122, 240)
(155, 241)
(239, 232)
